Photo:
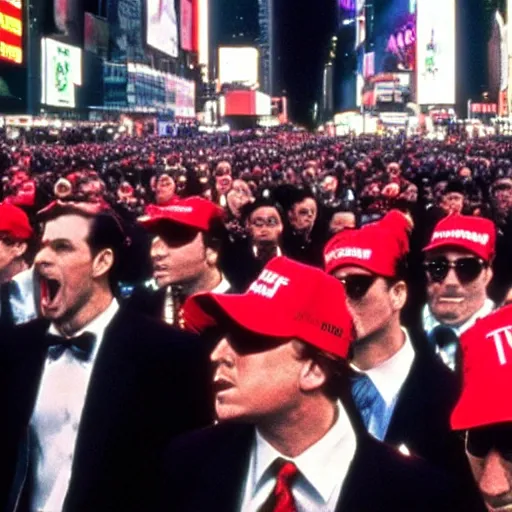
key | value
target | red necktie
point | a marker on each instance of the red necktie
(281, 499)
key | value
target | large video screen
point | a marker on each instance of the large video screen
(11, 31)
(394, 36)
(238, 65)
(162, 26)
(61, 73)
(187, 25)
(436, 52)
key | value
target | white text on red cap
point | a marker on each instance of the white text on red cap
(177, 208)
(500, 337)
(267, 277)
(348, 252)
(463, 234)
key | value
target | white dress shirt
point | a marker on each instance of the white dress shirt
(323, 468)
(57, 414)
(430, 322)
(222, 287)
(389, 377)
(22, 298)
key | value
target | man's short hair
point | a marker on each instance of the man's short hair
(250, 208)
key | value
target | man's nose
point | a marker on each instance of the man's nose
(222, 352)
(451, 278)
(494, 480)
(43, 257)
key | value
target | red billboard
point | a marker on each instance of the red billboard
(11, 31)
(187, 25)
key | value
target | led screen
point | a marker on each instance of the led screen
(436, 52)
(238, 65)
(11, 31)
(61, 73)
(162, 26)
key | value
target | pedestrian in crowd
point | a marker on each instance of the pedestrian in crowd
(18, 302)
(403, 393)
(458, 265)
(91, 391)
(483, 412)
(285, 440)
(187, 237)
(244, 260)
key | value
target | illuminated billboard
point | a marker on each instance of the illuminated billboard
(238, 65)
(11, 31)
(436, 52)
(162, 26)
(61, 73)
(187, 25)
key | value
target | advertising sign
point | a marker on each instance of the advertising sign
(238, 65)
(125, 30)
(95, 35)
(162, 26)
(436, 52)
(61, 73)
(11, 31)
(187, 25)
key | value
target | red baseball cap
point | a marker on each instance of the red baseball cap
(474, 234)
(287, 300)
(14, 221)
(487, 372)
(194, 212)
(377, 247)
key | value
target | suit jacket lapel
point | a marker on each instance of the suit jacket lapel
(356, 494)
(223, 484)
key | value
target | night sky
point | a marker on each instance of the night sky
(303, 30)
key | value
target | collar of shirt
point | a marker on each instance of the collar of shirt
(317, 464)
(255, 251)
(430, 322)
(222, 287)
(24, 303)
(96, 326)
(390, 375)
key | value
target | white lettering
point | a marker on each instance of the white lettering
(268, 278)
(348, 252)
(480, 238)
(501, 336)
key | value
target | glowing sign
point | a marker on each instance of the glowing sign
(435, 40)
(11, 31)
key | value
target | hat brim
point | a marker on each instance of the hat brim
(476, 409)
(156, 223)
(453, 245)
(209, 310)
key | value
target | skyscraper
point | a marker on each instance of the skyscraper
(266, 45)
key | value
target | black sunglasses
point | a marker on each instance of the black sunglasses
(480, 441)
(357, 286)
(466, 269)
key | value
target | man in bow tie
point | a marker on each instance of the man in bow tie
(90, 392)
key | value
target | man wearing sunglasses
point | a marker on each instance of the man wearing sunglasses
(483, 413)
(403, 393)
(184, 253)
(458, 266)
(285, 441)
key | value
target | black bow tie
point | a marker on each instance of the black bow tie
(81, 346)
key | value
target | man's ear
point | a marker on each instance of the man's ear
(212, 257)
(102, 263)
(312, 376)
(398, 293)
(20, 248)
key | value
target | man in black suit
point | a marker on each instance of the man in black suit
(184, 254)
(403, 393)
(285, 441)
(91, 392)
(244, 259)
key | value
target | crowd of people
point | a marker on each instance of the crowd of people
(261, 320)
